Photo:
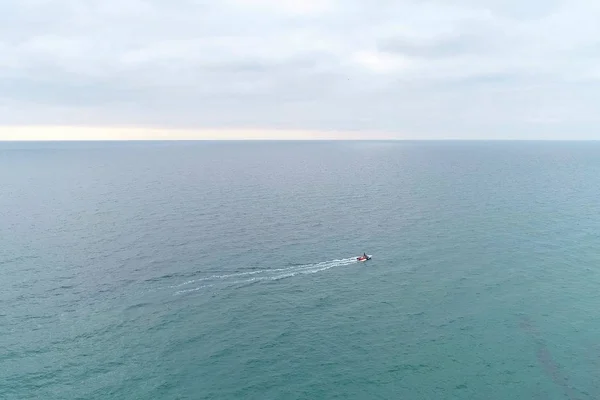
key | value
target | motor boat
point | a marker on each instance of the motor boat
(364, 257)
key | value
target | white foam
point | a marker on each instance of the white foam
(192, 290)
(214, 277)
(267, 274)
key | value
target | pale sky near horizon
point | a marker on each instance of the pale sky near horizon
(428, 69)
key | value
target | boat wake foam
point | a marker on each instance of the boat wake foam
(273, 274)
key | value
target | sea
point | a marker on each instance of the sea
(227, 270)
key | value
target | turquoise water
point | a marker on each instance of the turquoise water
(226, 270)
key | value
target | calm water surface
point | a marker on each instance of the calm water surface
(226, 270)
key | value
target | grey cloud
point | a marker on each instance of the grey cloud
(429, 68)
(513, 9)
(442, 47)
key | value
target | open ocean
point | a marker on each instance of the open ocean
(226, 270)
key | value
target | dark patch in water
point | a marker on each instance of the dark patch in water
(139, 305)
(166, 276)
(545, 360)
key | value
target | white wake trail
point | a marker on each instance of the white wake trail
(275, 274)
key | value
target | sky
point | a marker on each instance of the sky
(422, 69)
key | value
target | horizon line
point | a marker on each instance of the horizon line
(295, 140)
(83, 133)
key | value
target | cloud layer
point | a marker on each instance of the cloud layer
(421, 69)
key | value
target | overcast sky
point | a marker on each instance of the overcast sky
(418, 69)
